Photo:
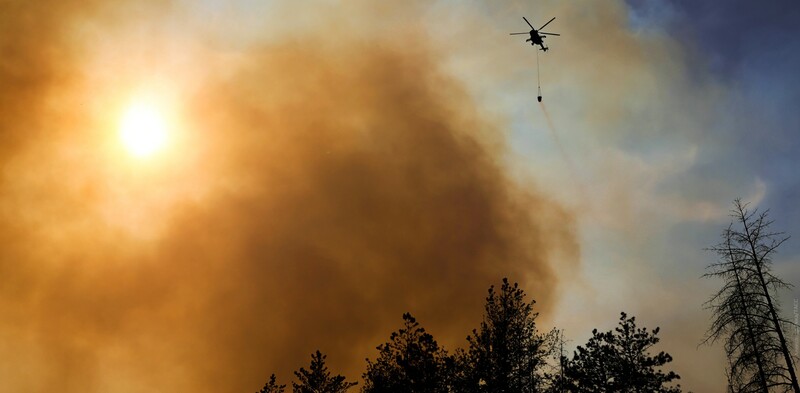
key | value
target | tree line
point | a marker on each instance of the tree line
(508, 353)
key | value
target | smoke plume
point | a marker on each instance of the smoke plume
(317, 189)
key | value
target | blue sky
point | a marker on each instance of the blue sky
(754, 49)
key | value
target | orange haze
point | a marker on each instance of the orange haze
(323, 187)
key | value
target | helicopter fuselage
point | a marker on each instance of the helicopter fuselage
(536, 39)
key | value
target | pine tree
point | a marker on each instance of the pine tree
(272, 386)
(318, 379)
(619, 361)
(411, 362)
(507, 353)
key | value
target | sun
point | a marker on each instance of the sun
(143, 130)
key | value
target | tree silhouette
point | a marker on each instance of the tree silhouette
(272, 386)
(556, 380)
(744, 310)
(740, 318)
(507, 352)
(411, 362)
(618, 361)
(317, 379)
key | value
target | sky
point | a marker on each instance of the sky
(329, 165)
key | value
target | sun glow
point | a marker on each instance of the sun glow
(143, 130)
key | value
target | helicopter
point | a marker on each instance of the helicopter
(537, 35)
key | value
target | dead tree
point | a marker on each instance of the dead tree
(744, 311)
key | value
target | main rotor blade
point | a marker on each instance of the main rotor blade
(529, 23)
(549, 33)
(517, 33)
(548, 22)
